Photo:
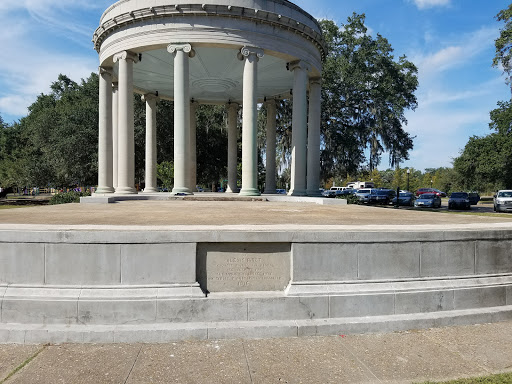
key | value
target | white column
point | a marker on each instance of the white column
(126, 143)
(315, 105)
(181, 53)
(193, 146)
(232, 148)
(105, 132)
(115, 118)
(150, 174)
(299, 128)
(270, 177)
(251, 55)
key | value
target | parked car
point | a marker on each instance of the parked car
(422, 191)
(430, 200)
(404, 198)
(474, 198)
(503, 201)
(329, 193)
(363, 195)
(281, 191)
(381, 196)
(459, 200)
(440, 193)
(346, 192)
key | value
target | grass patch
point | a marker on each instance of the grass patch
(504, 378)
(12, 206)
(469, 213)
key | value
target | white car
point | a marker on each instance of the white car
(503, 201)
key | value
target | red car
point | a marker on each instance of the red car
(421, 191)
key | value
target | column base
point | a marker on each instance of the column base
(181, 191)
(229, 190)
(297, 192)
(103, 190)
(150, 190)
(316, 193)
(126, 191)
(249, 192)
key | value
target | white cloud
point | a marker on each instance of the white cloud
(456, 54)
(30, 67)
(425, 4)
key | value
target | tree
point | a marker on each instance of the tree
(165, 173)
(485, 164)
(212, 154)
(376, 178)
(503, 43)
(398, 178)
(501, 118)
(365, 95)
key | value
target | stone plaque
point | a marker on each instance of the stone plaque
(238, 267)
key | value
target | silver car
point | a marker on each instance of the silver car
(503, 201)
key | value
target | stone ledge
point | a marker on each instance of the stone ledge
(164, 333)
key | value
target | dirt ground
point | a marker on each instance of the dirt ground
(148, 213)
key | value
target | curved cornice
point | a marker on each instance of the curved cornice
(228, 11)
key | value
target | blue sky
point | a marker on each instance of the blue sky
(451, 42)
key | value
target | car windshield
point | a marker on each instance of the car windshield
(405, 194)
(505, 194)
(364, 191)
(385, 193)
(428, 196)
(459, 195)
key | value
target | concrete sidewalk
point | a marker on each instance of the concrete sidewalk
(434, 354)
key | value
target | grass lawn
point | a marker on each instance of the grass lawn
(508, 215)
(12, 206)
(504, 378)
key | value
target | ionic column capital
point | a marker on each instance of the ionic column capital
(298, 64)
(185, 47)
(106, 71)
(271, 102)
(150, 97)
(193, 106)
(247, 51)
(126, 55)
(233, 106)
(315, 81)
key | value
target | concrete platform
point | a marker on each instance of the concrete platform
(168, 271)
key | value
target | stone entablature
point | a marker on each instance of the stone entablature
(279, 13)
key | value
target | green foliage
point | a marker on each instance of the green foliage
(485, 164)
(57, 142)
(212, 149)
(351, 199)
(376, 177)
(365, 95)
(68, 197)
(501, 118)
(503, 43)
(165, 173)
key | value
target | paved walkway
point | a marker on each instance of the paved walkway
(434, 354)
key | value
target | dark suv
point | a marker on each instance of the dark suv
(381, 196)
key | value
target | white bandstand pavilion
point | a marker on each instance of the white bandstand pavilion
(233, 52)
